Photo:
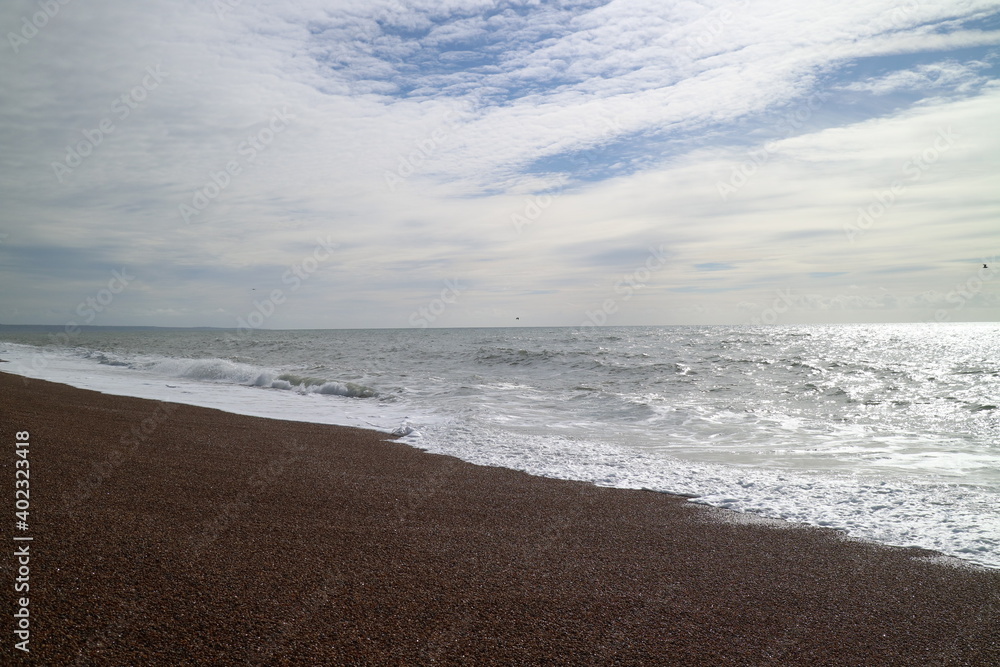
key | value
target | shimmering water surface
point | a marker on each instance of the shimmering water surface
(891, 432)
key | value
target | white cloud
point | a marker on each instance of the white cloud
(618, 84)
(946, 75)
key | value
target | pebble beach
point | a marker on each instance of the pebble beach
(172, 534)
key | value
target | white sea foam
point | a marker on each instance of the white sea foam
(946, 517)
(217, 384)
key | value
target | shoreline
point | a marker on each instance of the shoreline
(167, 533)
(817, 471)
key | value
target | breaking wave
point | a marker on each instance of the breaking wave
(234, 372)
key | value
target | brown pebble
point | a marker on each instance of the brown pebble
(222, 539)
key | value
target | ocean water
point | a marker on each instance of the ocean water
(888, 432)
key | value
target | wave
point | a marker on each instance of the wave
(234, 372)
(106, 359)
(514, 357)
(317, 385)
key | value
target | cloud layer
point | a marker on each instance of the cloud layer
(558, 162)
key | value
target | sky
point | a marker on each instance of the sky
(453, 163)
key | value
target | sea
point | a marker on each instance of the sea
(887, 432)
